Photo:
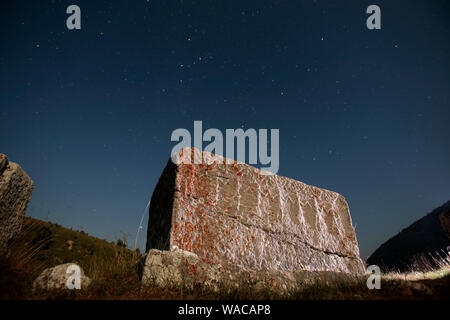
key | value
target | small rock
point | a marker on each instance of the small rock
(58, 276)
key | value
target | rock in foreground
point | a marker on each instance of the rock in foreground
(232, 214)
(16, 188)
(56, 278)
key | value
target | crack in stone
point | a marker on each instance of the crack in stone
(275, 234)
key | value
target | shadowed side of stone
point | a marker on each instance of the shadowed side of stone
(160, 218)
(16, 188)
(230, 213)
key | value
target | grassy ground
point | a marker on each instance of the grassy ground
(113, 270)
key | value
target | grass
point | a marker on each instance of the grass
(113, 271)
(424, 268)
(42, 245)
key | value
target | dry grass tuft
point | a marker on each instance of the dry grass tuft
(425, 267)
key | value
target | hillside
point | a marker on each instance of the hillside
(44, 244)
(58, 244)
(422, 243)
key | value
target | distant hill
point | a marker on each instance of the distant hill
(415, 245)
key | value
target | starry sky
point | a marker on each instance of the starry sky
(88, 113)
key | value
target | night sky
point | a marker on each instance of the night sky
(88, 113)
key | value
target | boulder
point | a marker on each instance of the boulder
(56, 278)
(231, 214)
(16, 188)
(181, 269)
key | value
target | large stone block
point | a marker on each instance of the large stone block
(16, 188)
(234, 214)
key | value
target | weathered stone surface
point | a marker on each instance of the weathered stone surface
(181, 269)
(56, 278)
(234, 214)
(16, 188)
